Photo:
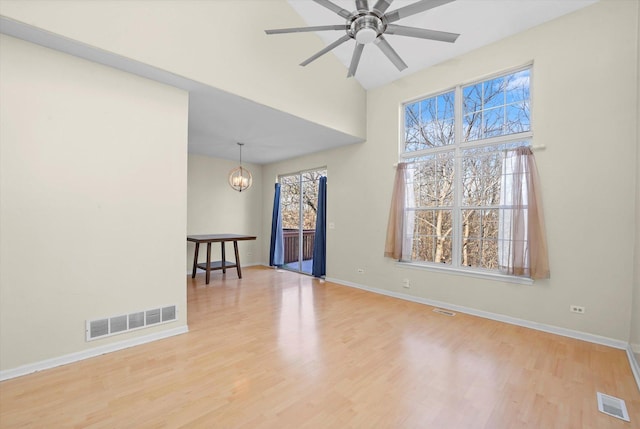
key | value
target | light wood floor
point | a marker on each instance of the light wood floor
(280, 350)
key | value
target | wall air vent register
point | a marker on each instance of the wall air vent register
(108, 326)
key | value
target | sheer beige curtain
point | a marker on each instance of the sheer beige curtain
(393, 245)
(524, 244)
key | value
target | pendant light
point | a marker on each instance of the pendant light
(240, 178)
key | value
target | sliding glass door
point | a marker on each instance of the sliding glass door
(299, 205)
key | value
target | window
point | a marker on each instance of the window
(458, 206)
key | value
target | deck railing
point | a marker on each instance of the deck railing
(291, 250)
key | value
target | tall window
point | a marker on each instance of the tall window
(457, 144)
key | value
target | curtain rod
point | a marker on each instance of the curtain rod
(535, 148)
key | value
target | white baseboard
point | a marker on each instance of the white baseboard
(635, 365)
(493, 316)
(89, 353)
(251, 264)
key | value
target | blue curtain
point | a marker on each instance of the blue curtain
(320, 240)
(276, 252)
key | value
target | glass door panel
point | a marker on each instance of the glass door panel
(309, 211)
(299, 203)
(290, 207)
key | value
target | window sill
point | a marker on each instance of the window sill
(467, 272)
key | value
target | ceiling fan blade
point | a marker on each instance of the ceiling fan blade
(414, 8)
(355, 59)
(423, 33)
(362, 5)
(303, 29)
(382, 5)
(334, 7)
(386, 49)
(338, 42)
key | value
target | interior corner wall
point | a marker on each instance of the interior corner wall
(634, 338)
(582, 62)
(213, 207)
(220, 43)
(93, 177)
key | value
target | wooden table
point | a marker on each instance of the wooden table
(217, 265)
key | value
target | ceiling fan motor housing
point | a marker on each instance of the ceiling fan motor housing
(365, 28)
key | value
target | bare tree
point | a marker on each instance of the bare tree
(291, 192)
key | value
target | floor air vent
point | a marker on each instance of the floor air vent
(445, 312)
(612, 406)
(101, 328)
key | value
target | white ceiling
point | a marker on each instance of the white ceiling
(217, 120)
(479, 23)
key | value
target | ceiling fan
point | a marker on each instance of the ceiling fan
(366, 25)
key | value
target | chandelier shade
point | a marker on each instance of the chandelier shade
(240, 178)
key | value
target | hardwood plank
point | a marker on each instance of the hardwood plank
(280, 350)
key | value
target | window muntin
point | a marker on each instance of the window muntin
(456, 213)
(497, 107)
(430, 123)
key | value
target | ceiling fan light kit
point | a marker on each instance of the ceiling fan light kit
(367, 26)
(365, 29)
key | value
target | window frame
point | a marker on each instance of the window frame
(458, 147)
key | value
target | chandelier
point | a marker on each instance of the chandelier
(240, 178)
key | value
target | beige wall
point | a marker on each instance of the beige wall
(92, 200)
(134, 174)
(584, 112)
(634, 338)
(214, 208)
(220, 43)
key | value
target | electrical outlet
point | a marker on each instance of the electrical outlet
(360, 270)
(576, 309)
(406, 283)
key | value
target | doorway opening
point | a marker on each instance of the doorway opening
(299, 205)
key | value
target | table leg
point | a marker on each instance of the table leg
(208, 262)
(195, 261)
(235, 248)
(224, 268)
